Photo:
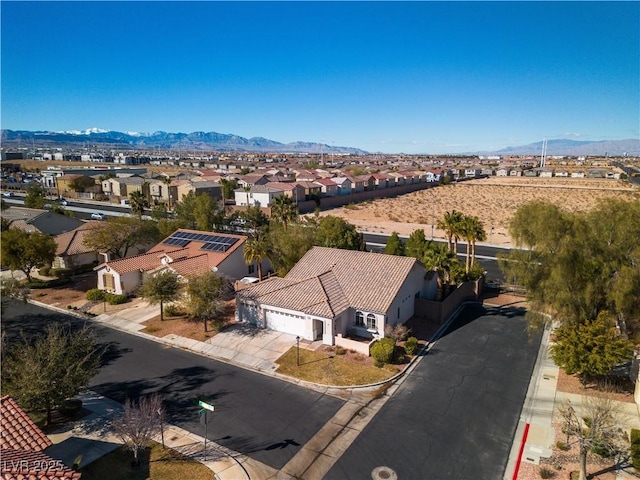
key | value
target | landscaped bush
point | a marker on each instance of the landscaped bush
(57, 282)
(115, 299)
(635, 448)
(96, 295)
(411, 346)
(546, 472)
(61, 272)
(171, 310)
(44, 271)
(383, 351)
(340, 351)
(562, 445)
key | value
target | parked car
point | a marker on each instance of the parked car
(97, 216)
(8, 194)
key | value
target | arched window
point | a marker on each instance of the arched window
(371, 322)
(359, 319)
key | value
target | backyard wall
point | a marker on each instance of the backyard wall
(439, 311)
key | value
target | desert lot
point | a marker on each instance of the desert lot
(493, 200)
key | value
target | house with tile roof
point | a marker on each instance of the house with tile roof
(185, 252)
(258, 195)
(333, 293)
(22, 446)
(71, 252)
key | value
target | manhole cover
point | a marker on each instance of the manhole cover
(383, 473)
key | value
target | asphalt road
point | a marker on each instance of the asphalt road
(262, 417)
(456, 414)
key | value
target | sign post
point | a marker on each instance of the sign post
(205, 409)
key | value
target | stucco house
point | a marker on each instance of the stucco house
(258, 196)
(333, 293)
(186, 252)
(344, 185)
(71, 252)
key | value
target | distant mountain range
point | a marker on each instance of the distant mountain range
(202, 141)
(222, 142)
(574, 148)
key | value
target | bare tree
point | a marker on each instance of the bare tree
(597, 428)
(139, 422)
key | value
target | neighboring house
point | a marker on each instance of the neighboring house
(381, 180)
(63, 183)
(43, 221)
(546, 172)
(561, 173)
(516, 172)
(344, 185)
(122, 186)
(311, 189)
(258, 195)
(291, 190)
(531, 172)
(71, 252)
(328, 187)
(578, 174)
(23, 445)
(502, 172)
(333, 292)
(368, 181)
(186, 252)
(252, 179)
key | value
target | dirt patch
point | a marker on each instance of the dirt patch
(621, 391)
(183, 326)
(73, 294)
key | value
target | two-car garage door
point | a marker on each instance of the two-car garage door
(284, 322)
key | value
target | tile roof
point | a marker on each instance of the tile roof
(327, 281)
(18, 430)
(188, 260)
(71, 243)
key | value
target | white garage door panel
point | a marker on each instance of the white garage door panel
(283, 323)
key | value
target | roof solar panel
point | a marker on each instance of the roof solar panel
(214, 247)
(180, 234)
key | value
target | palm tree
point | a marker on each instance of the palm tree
(439, 258)
(255, 251)
(138, 202)
(284, 210)
(472, 230)
(247, 189)
(167, 181)
(450, 223)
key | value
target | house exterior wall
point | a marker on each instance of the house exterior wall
(72, 261)
(124, 284)
(233, 266)
(403, 307)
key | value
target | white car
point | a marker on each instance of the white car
(97, 216)
(7, 194)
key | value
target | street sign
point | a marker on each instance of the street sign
(206, 406)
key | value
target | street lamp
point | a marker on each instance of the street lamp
(298, 350)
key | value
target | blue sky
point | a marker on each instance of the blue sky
(413, 77)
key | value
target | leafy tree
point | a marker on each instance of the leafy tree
(228, 185)
(24, 250)
(36, 196)
(11, 288)
(255, 221)
(286, 247)
(255, 251)
(336, 232)
(159, 212)
(284, 210)
(416, 244)
(54, 367)
(166, 226)
(138, 202)
(591, 348)
(139, 422)
(450, 223)
(205, 295)
(596, 427)
(394, 245)
(577, 265)
(197, 211)
(118, 234)
(163, 287)
(3, 204)
(81, 183)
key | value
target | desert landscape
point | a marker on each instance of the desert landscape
(493, 200)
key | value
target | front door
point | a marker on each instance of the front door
(318, 327)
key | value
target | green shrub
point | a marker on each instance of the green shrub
(383, 351)
(635, 436)
(340, 351)
(115, 299)
(546, 472)
(635, 448)
(61, 272)
(562, 445)
(56, 282)
(44, 271)
(96, 295)
(411, 346)
(601, 450)
(171, 310)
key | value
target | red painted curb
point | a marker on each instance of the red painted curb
(524, 441)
